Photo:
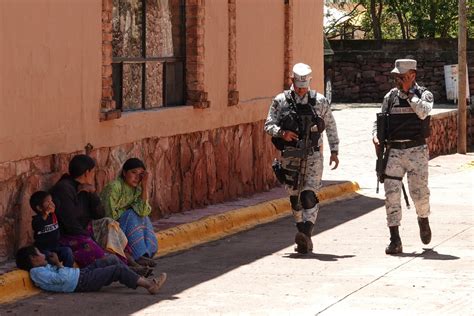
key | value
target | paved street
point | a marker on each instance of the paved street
(257, 273)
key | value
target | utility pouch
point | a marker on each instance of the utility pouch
(284, 176)
(279, 143)
(279, 171)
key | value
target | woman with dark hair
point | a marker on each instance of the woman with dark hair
(126, 200)
(81, 217)
(77, 206)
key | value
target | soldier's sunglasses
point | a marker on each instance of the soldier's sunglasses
(398, 78)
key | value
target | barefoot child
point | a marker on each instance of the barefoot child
(55, 277)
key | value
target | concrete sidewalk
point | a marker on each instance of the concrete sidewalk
(256, 272)
(185, 230)
(450, 181)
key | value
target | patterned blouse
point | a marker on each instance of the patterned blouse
(117, 197)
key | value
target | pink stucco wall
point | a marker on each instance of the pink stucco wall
(260, 39)
(50, 72)
(51, 90)
(308, 38)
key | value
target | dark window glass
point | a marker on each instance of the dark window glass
(175, 83)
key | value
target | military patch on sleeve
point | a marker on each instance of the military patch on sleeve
(429, 96)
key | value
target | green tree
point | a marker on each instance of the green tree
(407, 19)
(435, 18)
(400, 9)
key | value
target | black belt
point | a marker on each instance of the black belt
(409, 144)
(299, 153)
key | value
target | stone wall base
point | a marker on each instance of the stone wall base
(188, 171)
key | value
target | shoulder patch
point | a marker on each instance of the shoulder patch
(428, 96)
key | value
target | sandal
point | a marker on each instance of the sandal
(158, 283)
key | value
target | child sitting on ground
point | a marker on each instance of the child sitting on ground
(55, 277)
(46, 228)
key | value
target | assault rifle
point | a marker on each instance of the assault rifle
(304, 148)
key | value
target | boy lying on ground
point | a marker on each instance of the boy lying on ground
(57, 278)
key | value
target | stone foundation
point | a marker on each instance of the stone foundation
(188, 171)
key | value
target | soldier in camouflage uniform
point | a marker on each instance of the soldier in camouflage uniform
(408, 107)
(303, 198)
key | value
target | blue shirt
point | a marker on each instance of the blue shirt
(54, 279)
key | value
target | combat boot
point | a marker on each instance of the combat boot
(395, 245)
(301, 240)
(425, 231)
(308, 231)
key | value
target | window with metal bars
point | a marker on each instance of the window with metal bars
(148, 53)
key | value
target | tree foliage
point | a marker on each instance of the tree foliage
(406, 19)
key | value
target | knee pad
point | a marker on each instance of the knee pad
(294, 202)
(308, 199)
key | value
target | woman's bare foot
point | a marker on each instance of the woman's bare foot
(145, 261)
(157, 283)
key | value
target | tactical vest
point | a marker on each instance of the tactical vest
(403, 123)
(291, 121)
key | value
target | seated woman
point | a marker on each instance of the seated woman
(126, 200)
(81, 216)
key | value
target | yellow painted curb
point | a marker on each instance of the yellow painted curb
(17, 284)
(469, 165)
(217, 226)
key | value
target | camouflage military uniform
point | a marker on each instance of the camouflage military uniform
(412, 161)
(314, 168)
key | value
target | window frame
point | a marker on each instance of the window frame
(119, 62)
(194, 87)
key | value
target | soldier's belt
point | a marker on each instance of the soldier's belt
(409, 144)
(299, 153)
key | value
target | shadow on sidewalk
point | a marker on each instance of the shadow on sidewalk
(209, 261)
(203, 263)
(318, 256)
(428, 254)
